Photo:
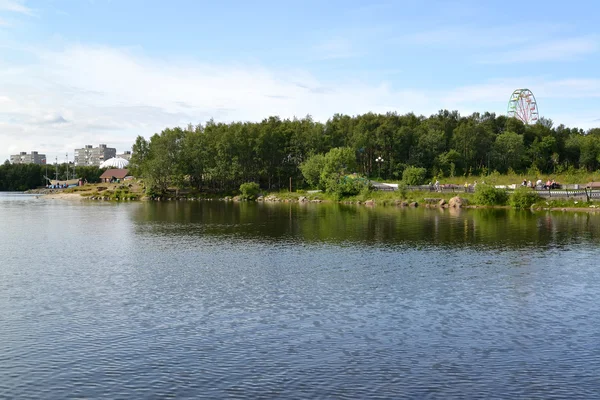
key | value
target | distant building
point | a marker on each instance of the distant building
(126, 155)
(112, 175)
(89, 155)
(24, 158)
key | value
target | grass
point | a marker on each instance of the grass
(123, 191)
(380, 197)
(571, 176)
(563, 203)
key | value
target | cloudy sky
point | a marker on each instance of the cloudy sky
(76, 72)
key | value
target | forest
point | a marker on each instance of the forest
(221, 156)
(21, 177)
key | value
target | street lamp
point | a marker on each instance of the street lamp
(379, 160)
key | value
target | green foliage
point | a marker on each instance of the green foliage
(329, 171)
(571, 203)
(488, 195)
(311, 170)
(21, 177)
(508, 151)
(347, 186)
(523, 198)
(403, 190)
(338, 161)
(249, 190)
(414, 176)
(218, 157)
(140, 151)
(91, 174)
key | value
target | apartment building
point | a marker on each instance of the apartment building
(33, 158)
(93, 155)
(126, 155)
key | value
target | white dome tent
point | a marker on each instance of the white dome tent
(115, 162)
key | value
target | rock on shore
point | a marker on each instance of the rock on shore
(457, 202)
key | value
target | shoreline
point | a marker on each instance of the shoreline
(62, 196)
(369, 203)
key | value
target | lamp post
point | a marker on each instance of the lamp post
(379, 160)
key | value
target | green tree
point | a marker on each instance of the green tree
(414, 176)
(249, 190)
(139, 154)
(312, 168)
(589, 151)
(508, 150)
(338, 162)
(163, 166)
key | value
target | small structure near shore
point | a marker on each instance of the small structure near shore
(593, 185)
(115, 162)
(113, 175)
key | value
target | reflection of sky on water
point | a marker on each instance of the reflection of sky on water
(200, 299)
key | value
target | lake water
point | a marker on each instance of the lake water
(215, 300)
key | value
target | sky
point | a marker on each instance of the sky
(77, 72)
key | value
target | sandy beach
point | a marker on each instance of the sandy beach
(63, 196)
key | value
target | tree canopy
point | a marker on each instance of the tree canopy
(221, 156)
(21, 177)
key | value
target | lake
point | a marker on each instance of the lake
(245, 300)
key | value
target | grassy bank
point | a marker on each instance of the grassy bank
(571, 176)
(133, 190)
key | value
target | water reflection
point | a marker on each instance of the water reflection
(338, 223)
(217, 300)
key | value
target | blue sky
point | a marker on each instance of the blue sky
(76, 72)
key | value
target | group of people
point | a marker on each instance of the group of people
(437, 188)
(550, 184)
(65, 185)
(57, 186)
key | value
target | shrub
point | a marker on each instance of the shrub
(403, 190)
(311, 170)
(490, 196)
(523, 198)
(346, 186)
(414, 175)
(249, 190)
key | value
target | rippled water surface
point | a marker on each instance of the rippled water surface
(214, 300)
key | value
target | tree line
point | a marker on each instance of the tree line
(221, 156)
(21, 177)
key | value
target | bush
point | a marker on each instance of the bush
(523, 198)
(249, 190)
(403, 190)
(414, 176)
(346, 186)
(490, 196)
(311, 170)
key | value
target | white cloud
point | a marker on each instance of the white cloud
(15, 6)
(89, 95)
(489, 37)
(553, 97)
(508, 44)
(542, 89)
(554, 50)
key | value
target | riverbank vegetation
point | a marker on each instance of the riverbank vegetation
(21, 177)
(484, 196)
(301, 153)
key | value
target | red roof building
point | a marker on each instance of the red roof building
(113, 174)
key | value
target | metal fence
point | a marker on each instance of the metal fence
(585, 193)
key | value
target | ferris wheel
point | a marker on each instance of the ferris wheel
(522, 105)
